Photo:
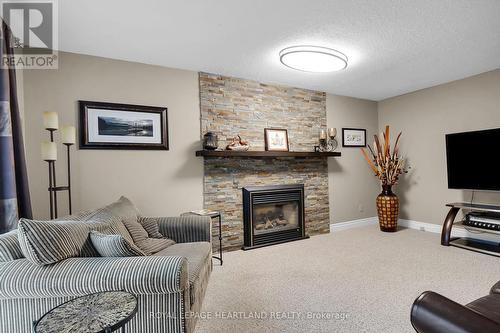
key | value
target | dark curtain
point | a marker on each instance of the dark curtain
(14, 192)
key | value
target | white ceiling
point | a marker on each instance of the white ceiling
(394, 46)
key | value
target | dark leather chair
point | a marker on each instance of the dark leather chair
(434, 313)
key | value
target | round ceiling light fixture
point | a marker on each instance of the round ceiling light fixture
(314, 59)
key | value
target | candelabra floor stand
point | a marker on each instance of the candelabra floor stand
(53, 188)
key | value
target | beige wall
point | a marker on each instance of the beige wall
(159, 182)
(163, 182)
(352, 186)
(169, 182)
(425, 117)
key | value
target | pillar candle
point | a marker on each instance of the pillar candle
(49, 151)
(50, 120)
(322, 134)
(332, 132)
(68, 135)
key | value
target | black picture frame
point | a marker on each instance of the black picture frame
(267, 131)
(84, 130)
(345, 143)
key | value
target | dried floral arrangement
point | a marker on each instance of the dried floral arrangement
(386, 164)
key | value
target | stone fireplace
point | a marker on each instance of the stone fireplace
(272, 215)
(231, 106)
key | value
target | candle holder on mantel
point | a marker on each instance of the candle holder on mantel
(49, 154)
(327, 141)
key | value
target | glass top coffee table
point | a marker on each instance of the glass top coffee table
(95, 313)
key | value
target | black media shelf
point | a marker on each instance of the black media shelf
(477, 245)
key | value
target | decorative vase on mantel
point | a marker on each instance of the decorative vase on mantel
(388, 209)
(387, 166)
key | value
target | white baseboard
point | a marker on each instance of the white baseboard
(417, 225)
(422, 226)
(455, 232)
(353, 224)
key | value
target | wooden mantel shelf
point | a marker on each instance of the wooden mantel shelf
(261, 154)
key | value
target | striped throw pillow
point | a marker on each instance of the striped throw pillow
(142, 237)
(135, 229)
(48, 242)
(114, 245)
(151, 226)
(117, 227)
(10, 249)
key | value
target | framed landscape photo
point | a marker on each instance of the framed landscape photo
(276, 139)
(122, 126)
(353, 137)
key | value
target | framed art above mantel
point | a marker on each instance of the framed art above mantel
(122, 126)
(276, 139)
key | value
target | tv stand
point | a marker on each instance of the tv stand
(486, 247)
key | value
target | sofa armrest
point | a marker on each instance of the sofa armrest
(80, 276)
(186, 229)
(434, 313)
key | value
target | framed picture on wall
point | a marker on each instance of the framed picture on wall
(122, 126)
(276, 139)
(353, 137)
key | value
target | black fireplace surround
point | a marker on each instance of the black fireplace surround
(273, 215)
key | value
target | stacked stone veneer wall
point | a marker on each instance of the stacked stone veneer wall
(231, 106)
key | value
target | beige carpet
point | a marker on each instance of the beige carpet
(370, 276)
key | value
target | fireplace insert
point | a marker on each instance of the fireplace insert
(272, 215)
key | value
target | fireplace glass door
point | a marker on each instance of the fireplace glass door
(275, 217)
(273, 214)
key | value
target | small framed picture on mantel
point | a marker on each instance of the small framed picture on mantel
(276, 139)
(353, 137)
(122, 126)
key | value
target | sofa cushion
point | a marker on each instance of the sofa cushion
(199, 257)
(112, 245)
(47, 242)
(10, 249)
(488, 306)
(154, 245)
(121, 209)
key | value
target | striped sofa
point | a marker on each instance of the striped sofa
(170, 285)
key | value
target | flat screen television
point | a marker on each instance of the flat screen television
(473, 160)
